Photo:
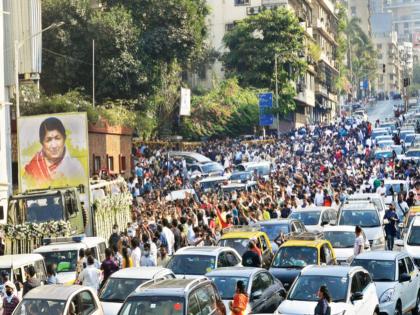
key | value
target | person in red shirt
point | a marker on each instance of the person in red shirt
(224, 223)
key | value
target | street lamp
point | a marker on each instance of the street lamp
(18, 45)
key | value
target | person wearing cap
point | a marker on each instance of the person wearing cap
(322, 307)
(240, 300)
(10, 301)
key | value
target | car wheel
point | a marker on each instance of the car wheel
(416, 309)
(398, 310)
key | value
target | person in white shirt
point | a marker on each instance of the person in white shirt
(381, 189)
(136, 252)
(90, 276)
(169, 235)
(319, 197)
(358, 242)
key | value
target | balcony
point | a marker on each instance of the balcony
(258, 9)
(328, 5)
(321, 89)
(328, 61)
(325, 31)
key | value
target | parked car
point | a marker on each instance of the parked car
(193, 262)
(262, 169)
(411, 242)
(396, 278)
(125, 281)
(206, 169)
(175, 297)
(59, 299)
(342, 239)
(351, 288)
(375, 198)
(189, 157)
(298, 252)
(265, 292)
(212, 183)
(315, 218)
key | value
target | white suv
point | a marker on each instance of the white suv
(411, 240)
(396, 278)
(351, 288)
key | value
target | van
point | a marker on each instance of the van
(64, 253)
(15, 266)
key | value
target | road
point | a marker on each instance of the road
(381, 110)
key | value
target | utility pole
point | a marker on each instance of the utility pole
(277, 95)
(93, 73)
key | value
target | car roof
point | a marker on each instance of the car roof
(255, 163)
(358, 205)
(54, 292)
(313, 209)
(305, 243)
(381, 255)
(276, 221)
(416, 221)
(201, 250)
(14, 261)
(213, 178)
(140, 272)
(234, 271)
(242, 234)
(71, 245)
(364, 195)
(199, 157)
(339, 228)
(168, 287)
(334, 271)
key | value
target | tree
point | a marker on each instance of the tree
(252, 46)
(119, 69)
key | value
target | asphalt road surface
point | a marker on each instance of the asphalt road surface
(381, 110)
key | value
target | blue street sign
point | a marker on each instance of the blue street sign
(266, 102)
(366, 84)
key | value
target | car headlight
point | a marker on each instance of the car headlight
(387, 296)
(379, 241)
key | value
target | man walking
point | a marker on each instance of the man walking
(359, 242)
(391, 220)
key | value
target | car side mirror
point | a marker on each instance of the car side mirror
(256, 295)
(324, 223)
(356, 296)
(399, 243)
(404, 277)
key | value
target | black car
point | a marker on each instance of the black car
(265, 292)
(175, 296)
(274, 227)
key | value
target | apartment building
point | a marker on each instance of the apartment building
(405, 50)
(360, 9)
(406, 17)
(389, 68)
(325, 24)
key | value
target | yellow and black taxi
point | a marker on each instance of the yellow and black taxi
(299, 251)
(239, 238)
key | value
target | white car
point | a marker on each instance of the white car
(262, 168)
(411, 240)
(396, 278)
(396, 188)
(366, 215)
(315, 218)
(125, 281)
(351, 288)
(342, 240)
(60, 299)
(212, 183)
(194, 262)
(373, 197)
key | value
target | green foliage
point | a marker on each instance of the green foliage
(228, 109)
(252, 46)
(342, 83)
(314, 51)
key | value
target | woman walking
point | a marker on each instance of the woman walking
(240, 300)
(323, 307)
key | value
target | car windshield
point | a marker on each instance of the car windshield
(227, 285)
(241, 176)
(211, 167)
(414, 236)
(383, 154)
(43, 209)
(396, 187)
(240, 244)
(40, 307)
(306, 288)
(307, 217)
(191, 264)
(210, 184)
(65, 260)
(273, 230)
(340, 239)
(415, 153)
(363, 218)
(295, 257)
(380, 270)
(117, 289)
(261, 170)
(153, 305)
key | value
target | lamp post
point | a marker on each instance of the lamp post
(17, 46)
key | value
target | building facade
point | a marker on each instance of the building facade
(406, 17)
(360, 9)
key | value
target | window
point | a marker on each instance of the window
(87, 303)
(379, 46)
(242, 2)
(324, 217)
(17, 275)
(356, 286)
(96, 163)
(353, 11)
(332, 215)
(401, 267)
(193, 308)
(405, 25)
(110, 163)
(410, 264)
(229, 26)
(266, 280)
(40, 270)
(231, 259)
(328, 254)
(221, 261)
(123, 163)
(206, 299)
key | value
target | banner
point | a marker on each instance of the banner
(185, 107)
(53, 151)
(265, 104)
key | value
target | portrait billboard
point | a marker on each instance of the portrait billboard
(53, 151)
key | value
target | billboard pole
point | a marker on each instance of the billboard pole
(93, 72)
